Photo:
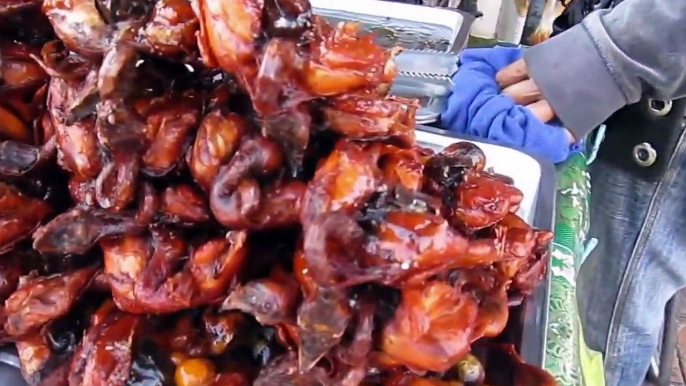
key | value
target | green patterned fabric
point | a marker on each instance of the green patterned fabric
(567, 357)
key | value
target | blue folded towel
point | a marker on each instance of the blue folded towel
(476, 107)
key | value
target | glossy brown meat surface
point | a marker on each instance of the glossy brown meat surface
(223, 193)
(40, 300)
(19, 215)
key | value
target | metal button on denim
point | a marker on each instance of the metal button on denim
(659, 108)
(644, 154)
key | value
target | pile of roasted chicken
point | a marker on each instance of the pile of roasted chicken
(221, 193)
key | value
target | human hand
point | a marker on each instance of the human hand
(514, 80)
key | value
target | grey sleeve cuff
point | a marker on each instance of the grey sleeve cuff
(576, 81)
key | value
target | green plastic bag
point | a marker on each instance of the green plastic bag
(567, 356)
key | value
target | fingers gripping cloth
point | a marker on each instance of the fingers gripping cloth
(476, 107)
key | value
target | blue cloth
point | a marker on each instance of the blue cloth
(476, 107)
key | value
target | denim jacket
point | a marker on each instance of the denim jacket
(638, 214)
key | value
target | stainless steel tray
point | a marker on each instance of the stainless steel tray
(536, 178)
(10, 376)
(411, 26)
(9, 368)
(8, 356)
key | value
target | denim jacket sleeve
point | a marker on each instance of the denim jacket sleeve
(610, 60)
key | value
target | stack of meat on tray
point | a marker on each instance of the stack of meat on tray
(222, 193)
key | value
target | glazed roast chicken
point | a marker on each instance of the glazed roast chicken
(222, 193)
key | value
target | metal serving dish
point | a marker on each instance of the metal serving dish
(8, 356)
(9, 368)
(535, 177)
(410, 26)
(10, 376)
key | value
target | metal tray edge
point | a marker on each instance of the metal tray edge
(535, 318)
(459, 22)
(535, 311)
(434, 64)
(462, 33)
(429, 15)
(8, 356)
